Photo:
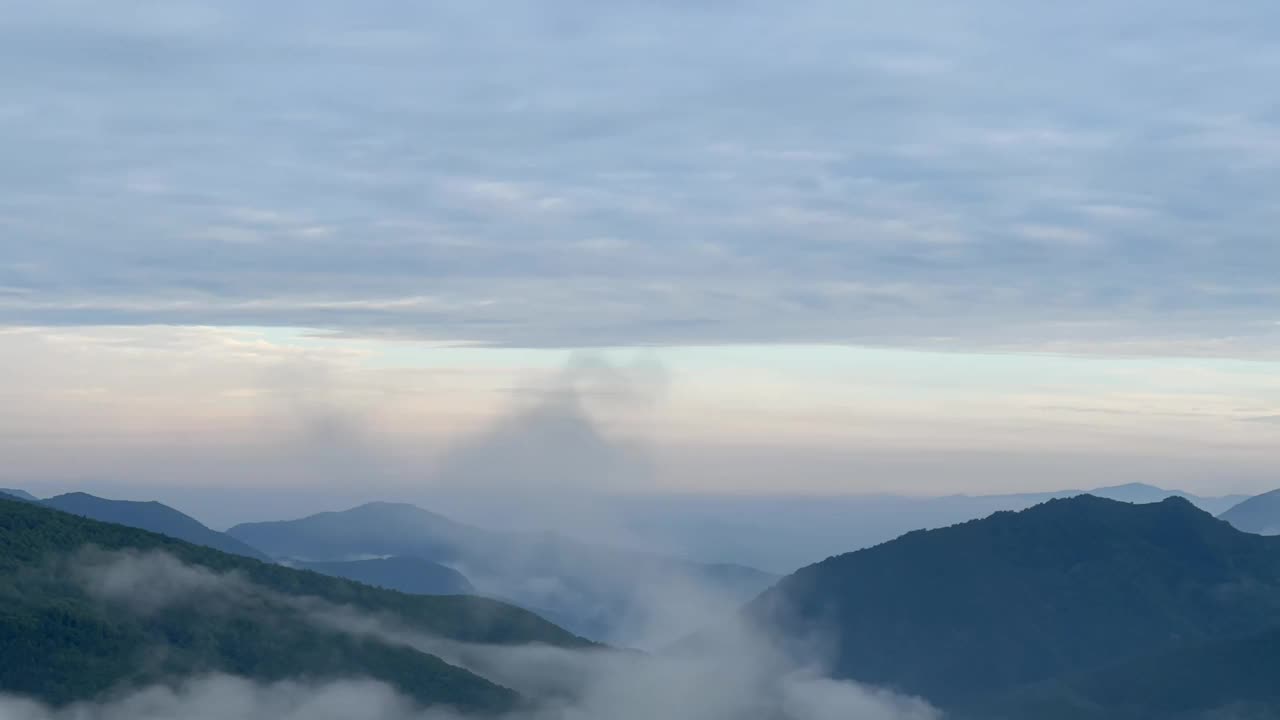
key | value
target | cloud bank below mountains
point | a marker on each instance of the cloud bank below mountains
(740, 675)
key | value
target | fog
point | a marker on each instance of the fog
(552, 461)
(734, 674)
(222, 697)
(559, 445)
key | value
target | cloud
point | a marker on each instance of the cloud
(735, 674)
(423, 171)
(551, 440)
(222, 697)
(147, 582)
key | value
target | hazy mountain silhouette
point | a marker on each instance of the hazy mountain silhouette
(406, 574)
(61, 641)
(1143, 493)
(786, 532)
(377, 528)
(19, 494)
(152, 516)
(968, 611)
(1259, 514)
(590, 589)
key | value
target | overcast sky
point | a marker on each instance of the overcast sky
(1014, 227)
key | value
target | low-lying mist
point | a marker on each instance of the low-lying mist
(549, 465)
(737, 674)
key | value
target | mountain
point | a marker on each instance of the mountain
(1259, 515)
(781, 533)
(971, 611)
(99, 606)
(1225, 679)
(406, 574)
(376, 528)
(151, 516)
(19, 494)
(1143, 493)
(594, 590)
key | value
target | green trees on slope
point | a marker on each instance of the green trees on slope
(60, 643)
(969, 612)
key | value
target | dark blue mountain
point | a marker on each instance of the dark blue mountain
(151, 516)
(1259, 514)
(978, 609)
(406, 574)
(19, 494)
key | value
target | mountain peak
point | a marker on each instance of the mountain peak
(1088, 502)
(77, 494)
(19, 494)
(152, 516)
(1083, 578)
(1135, 486)
(1259, 514)
(386, 507)
(395, 512)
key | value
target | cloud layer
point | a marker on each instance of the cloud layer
(1082, 177)
(739, 675)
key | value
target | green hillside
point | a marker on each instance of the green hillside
(406, 574)
(1236, 678)
(977, 609)
(59, 644)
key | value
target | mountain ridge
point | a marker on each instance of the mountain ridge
(19, 494)
(88, 646)
(592, 589)
(403, 574)
(1259, 514)
(1079, 579)
(153, 516)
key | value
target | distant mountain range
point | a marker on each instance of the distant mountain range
(1259, 514)
(151, 516)
(598, 592)
(1079, 608)
(594, 590)
(62, 639)
(1142, 493)
(19, 494)
(406, 574)
(785, 532)
(968, 614)
(410, 575)
(776, 533)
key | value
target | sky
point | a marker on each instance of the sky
(703, 246)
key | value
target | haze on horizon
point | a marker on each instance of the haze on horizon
(386, 249)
